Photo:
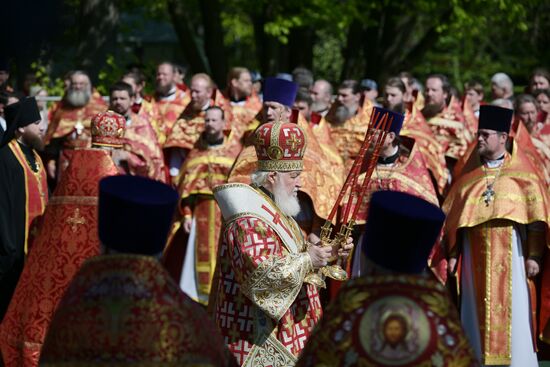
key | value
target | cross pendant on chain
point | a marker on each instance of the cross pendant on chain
(488, 195)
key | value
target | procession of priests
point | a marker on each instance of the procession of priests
(279, 221)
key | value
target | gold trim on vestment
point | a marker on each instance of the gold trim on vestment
(225, 161)
(271, 353)
(276, 282)
(440, 121)
(73, 200)
(281, 165)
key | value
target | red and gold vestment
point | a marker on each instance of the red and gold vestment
(263, 308)
(122, 310)
(146, 156)
(519, 197)
(67, 237)
(322, 177)
(36, 192)
(205, 168)
(169, 111)
(355, 329)
(449, 129)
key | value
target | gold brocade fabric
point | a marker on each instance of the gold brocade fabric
(349, 136)
(322, 177)
(416, 127)
(243, 114)
(146, 157)
(263, 308)
(205, 168)
(542, 144)
(492, 266)
(67, 237)
(168, 112)
(126, 309)
(389, 320)
(408, 174)
(449, 130)
(208, 166)
(187, 130)
(520, 195)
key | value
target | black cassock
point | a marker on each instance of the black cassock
(12, 221)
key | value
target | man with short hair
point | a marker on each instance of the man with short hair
(500, 234)
(144, 155)
(303, 104)
(169, 99)
(445, 118)
(122, 307)
(321, 94)
(69, 126)
(502, 86)
(190, 124)
(244, 101)
(198, 226)
(23, 190)
(263, 306)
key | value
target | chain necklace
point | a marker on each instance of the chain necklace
(489, 194)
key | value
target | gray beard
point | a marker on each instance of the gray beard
(341, 114)
(78, 98)
(318, 107)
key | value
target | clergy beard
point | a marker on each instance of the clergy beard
(431, 110)
(341, 114)
(163, 90)
(288, 204)
(33, 141)
(78, 98)
(318, 107)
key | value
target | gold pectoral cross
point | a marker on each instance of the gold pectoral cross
(488, 195)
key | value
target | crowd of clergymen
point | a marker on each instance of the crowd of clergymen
(143, 181)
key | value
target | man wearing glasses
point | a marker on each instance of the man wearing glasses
(497, 221)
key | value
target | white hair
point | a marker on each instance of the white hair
(259, 178)
(503, 81)
(503, 102)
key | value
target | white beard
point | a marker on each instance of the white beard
(78, 98)
(288, 204)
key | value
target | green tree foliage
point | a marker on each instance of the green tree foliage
(337, 39)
